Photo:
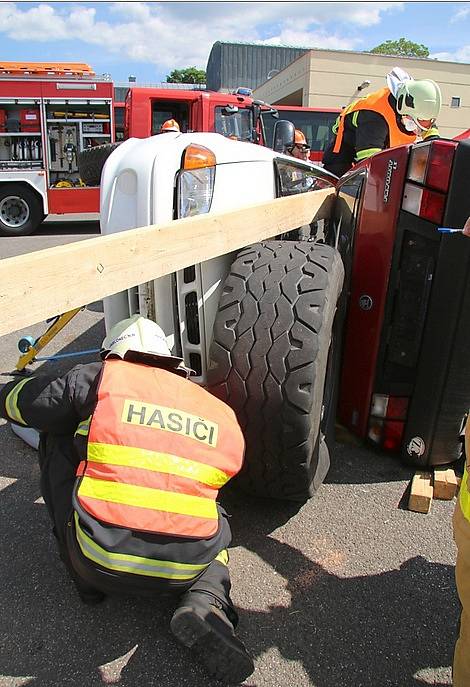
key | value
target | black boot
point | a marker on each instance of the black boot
(201, 623)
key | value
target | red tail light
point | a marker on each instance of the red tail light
(440, 165)
(424, 203)
(387, 421)
(431, 164)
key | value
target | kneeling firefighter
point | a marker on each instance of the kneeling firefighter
(132, 455)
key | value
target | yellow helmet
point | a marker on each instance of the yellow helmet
(420, 100)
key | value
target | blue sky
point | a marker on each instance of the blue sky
(149, 39)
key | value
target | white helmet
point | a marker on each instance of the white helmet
(139, 335)
(420, 100)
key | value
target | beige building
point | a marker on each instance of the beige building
(334, 78)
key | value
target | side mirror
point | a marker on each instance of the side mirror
(284, 135)
(230, 110)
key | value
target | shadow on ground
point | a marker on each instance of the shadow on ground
(368, 631)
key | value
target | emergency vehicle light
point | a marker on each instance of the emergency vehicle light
(431, 164)
(424, 203)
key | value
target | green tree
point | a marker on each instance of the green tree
(188, 75)
(401, 47)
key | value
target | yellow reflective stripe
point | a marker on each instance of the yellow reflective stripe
(11, 402)
(146, 497)
(354, 118)
(222, 557)
(433, 131)
(137, 565)
(363, 154)
(464, 496)
(84, 427)
(156, 462)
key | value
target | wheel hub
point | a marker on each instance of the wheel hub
(14, 211)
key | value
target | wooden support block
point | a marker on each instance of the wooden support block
(445, 483)
(421, 493)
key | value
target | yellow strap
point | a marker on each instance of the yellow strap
(464, 496)
(156, 462)
(11, 402)
(84, 427)
(222, 557)
(138, 565)
(364, 154)
(354, 117)
(146, 497)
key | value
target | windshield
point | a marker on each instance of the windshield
(238, 125)
(316, 126)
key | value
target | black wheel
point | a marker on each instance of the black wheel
(21, 210)
(91, 162)
(269, 362)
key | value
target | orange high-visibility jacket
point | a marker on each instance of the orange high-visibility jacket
(377, 102)
(159, 449)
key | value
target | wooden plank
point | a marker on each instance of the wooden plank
(445, 483)
(39, 285)
(421, 492)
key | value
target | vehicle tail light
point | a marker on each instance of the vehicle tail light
(387, 421)
(431, 164)
(424, 203)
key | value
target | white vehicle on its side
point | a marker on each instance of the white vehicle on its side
(256, 327)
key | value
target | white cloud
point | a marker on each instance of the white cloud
(312, 39)
(460, 55)
(175, 34)
(462, 13)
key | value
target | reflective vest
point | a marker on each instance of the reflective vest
(377, 102)
(464, 493)
(159, 449)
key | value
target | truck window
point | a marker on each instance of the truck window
(315, 125)
(295, 178)
(238, 125)
(169, 109)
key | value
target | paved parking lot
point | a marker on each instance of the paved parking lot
(351, 590)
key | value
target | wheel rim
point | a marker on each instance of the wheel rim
(14, 212)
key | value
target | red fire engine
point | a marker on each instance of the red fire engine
(49, 112)
(236, 115)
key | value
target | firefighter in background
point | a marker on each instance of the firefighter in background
(461, 667)
(403, 112)
(132, 455)
(300, 148)
(170, 125)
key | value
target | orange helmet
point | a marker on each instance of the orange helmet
(299, 138)
(170, 125)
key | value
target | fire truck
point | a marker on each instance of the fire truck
(235, 115)
(49, 113)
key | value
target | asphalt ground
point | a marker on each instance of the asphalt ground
(350, 590)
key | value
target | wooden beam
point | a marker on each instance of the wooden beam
(445, 483)
(39, 285)
(421, 492)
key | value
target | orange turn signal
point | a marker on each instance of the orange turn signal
(198, 157)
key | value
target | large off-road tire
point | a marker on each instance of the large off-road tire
(269, 362)
(91, 162)
(21, 210)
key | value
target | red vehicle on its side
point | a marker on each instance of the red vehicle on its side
(405, 375)
(49, 113)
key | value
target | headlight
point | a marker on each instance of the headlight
(195, 189)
